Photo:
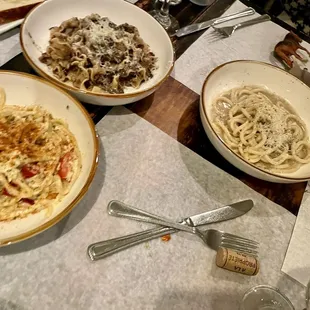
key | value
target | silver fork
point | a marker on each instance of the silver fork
(211, 237)
(105, 248)
(228, 31)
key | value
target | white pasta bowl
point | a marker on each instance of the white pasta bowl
(35, 34)
(241, 73)
(24, 90)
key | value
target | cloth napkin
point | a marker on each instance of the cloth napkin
(209, 51)
(297, 263)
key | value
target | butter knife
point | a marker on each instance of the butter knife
(201, 26)
(105, 248)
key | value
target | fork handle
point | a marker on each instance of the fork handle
(105, 248)
(260, 19)
(201, 26)
(117, 208)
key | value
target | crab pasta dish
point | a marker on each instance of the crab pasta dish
(94, 54)
(39, 160)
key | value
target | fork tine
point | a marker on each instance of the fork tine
(234, 237)
(241, 242)
(239, 248)
(251, 253)
(241, 245)
(217, 32)
(229, 244)
(214, 34)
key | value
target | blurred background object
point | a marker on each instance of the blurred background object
(296, 13)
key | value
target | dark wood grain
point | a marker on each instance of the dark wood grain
(175, 110)
(16, 13)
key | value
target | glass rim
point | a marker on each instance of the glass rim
(269, 287)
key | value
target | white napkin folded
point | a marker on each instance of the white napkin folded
(297, 259)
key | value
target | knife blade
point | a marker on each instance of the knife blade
(106, 248)
(201, 26)
(221, 214)
(120, 209)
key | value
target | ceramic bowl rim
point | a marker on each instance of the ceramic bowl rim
(54, 80)
(221, 140)
(32, 232)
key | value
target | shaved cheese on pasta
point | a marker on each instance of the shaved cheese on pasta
(262, 128)
(32, 144)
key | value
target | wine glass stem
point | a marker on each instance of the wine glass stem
(163, 14)
(164, 10)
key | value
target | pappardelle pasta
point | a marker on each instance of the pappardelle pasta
(93, 53)
(262, 128)
(39, 160)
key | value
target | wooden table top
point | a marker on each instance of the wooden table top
(174, 108)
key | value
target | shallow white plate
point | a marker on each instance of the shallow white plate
(35, 34)
(244, 72)
(23, 89)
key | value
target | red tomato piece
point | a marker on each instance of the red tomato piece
(6, 193)
(30, 170)
(27, 200)
(64, 165)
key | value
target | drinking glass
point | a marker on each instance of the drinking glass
(172, 2)
(264, 297)
(202, 2)
(162, 15)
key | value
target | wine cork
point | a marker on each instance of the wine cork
(237, 262)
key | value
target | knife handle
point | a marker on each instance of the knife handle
(246, 12)
(105, 248)
(201, 26)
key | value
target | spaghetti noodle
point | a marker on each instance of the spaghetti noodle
(262, 128)
(39, 160)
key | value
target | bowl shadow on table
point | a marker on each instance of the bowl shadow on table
(181, 300)
(191, 134)
(70, 221)
(9, 34)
